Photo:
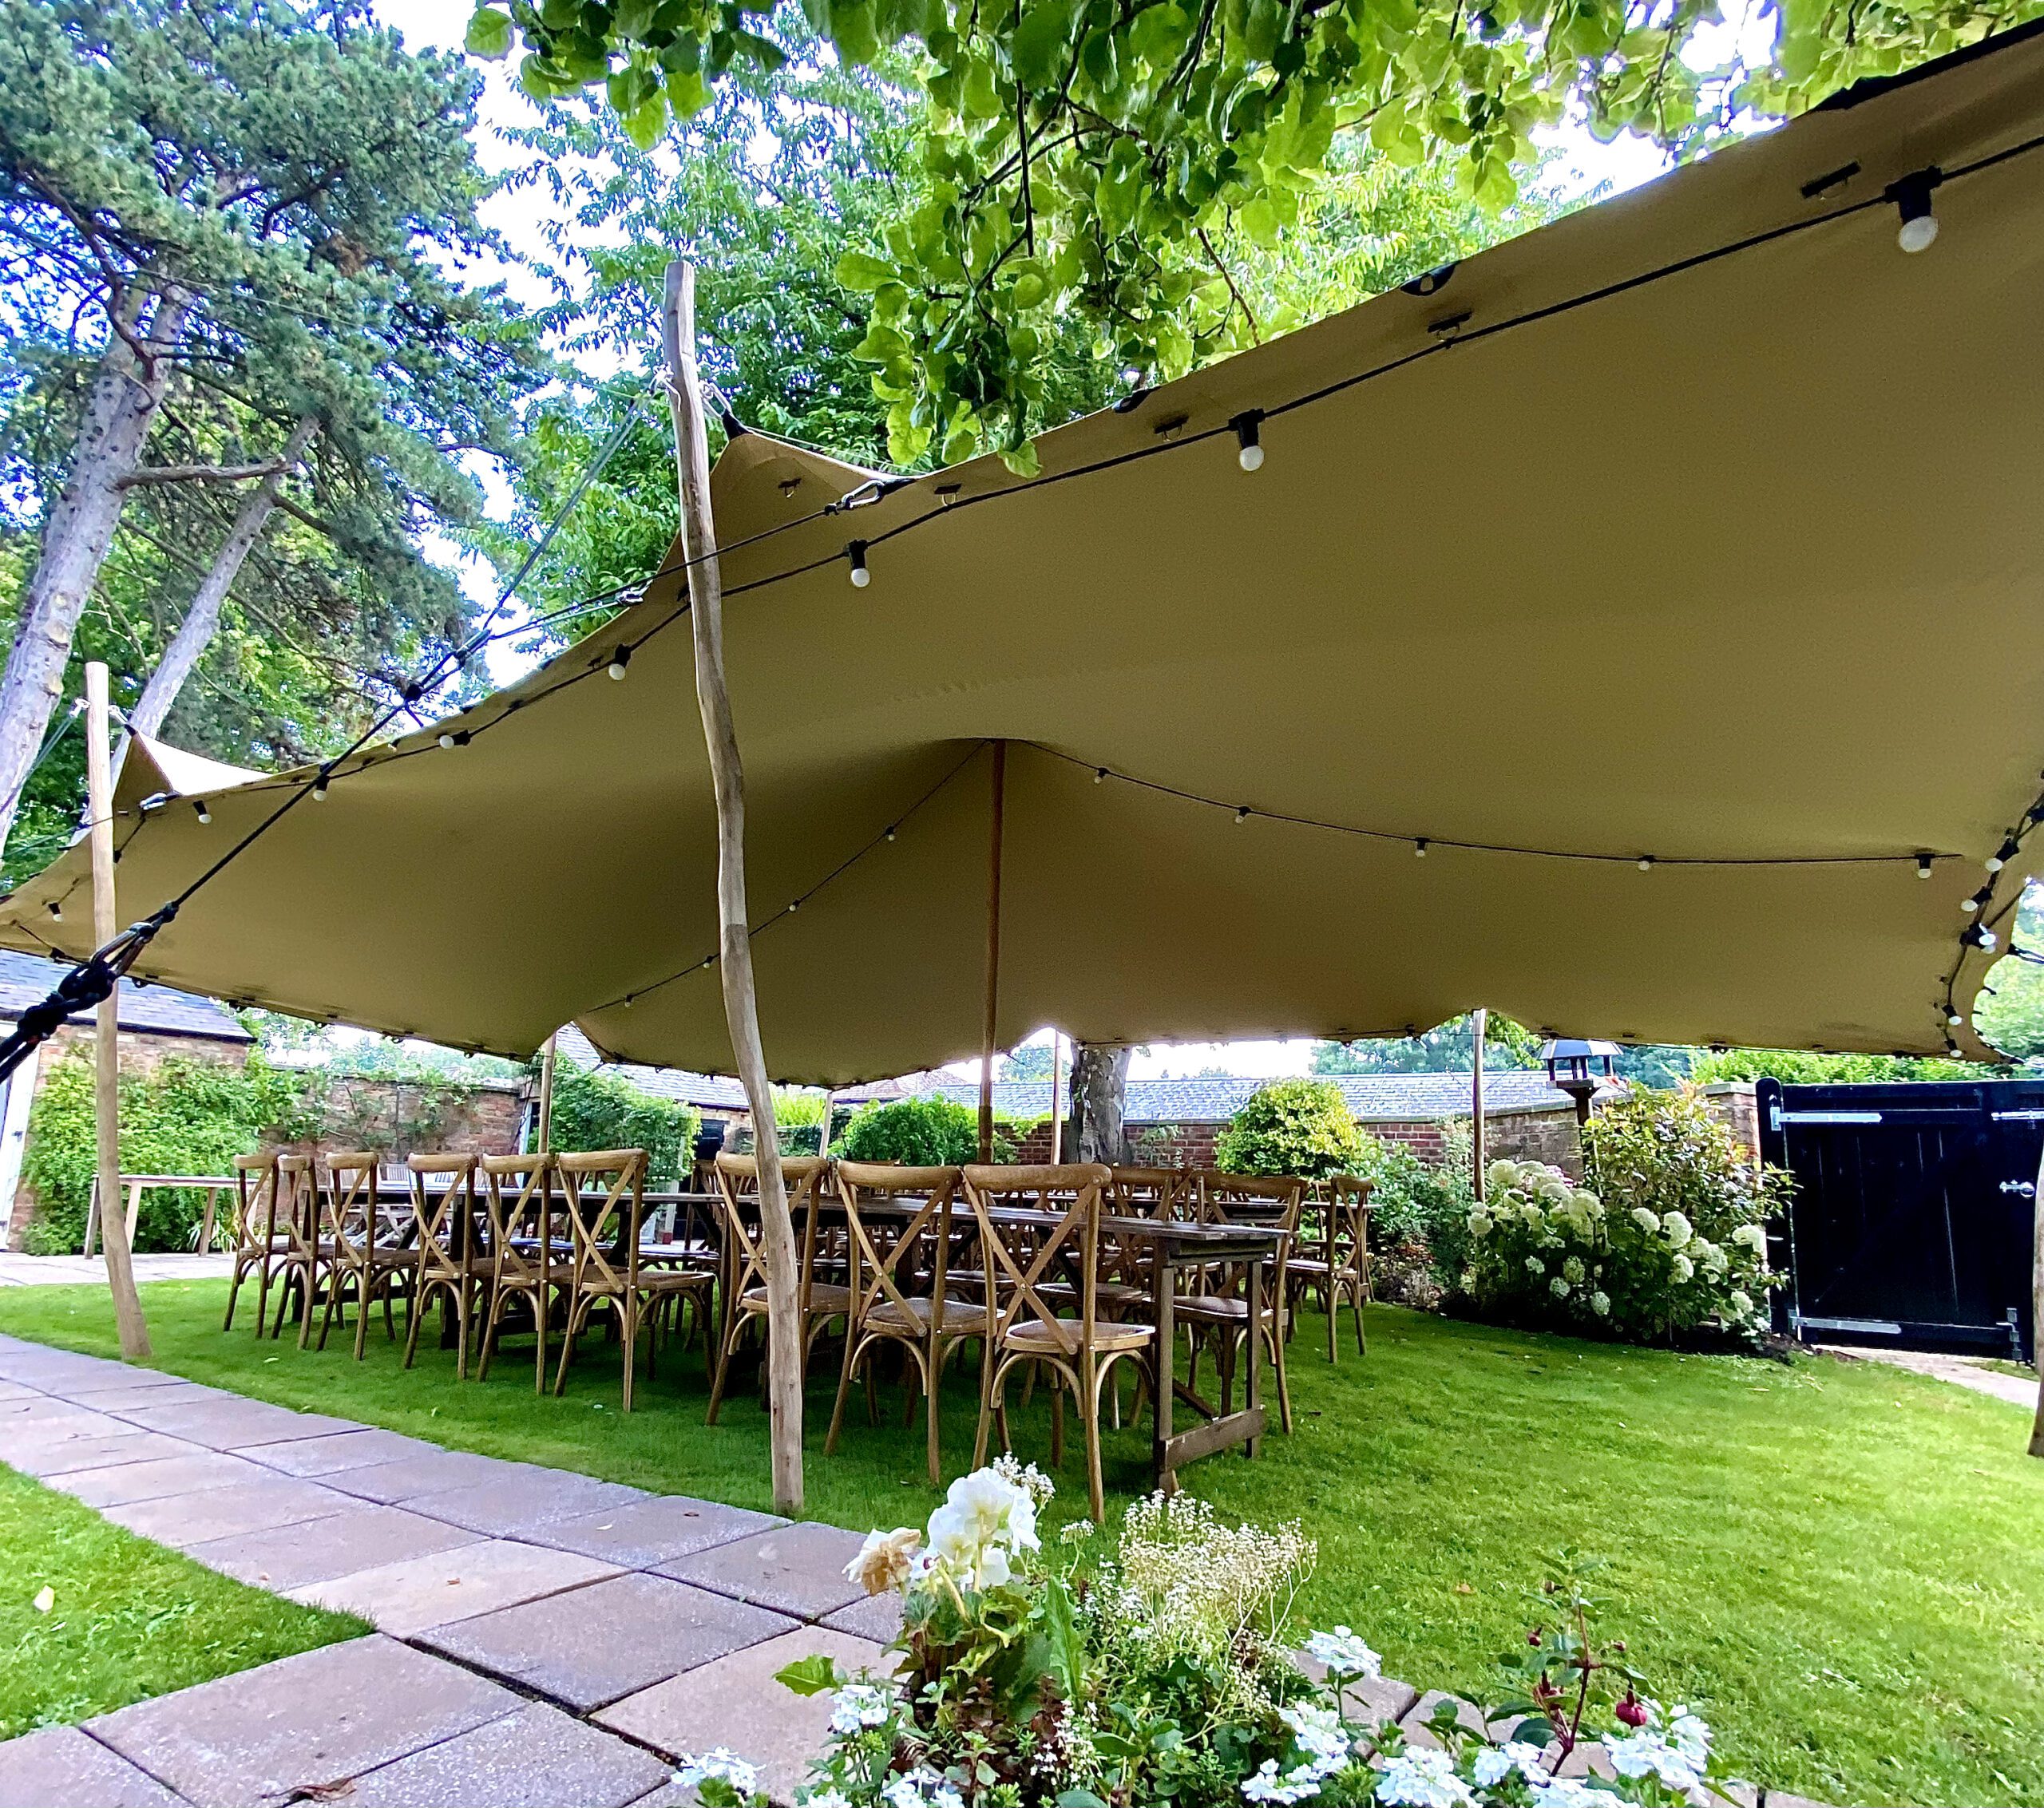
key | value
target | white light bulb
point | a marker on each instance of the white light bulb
(1917, 235)
(1969, 905)
(1993, 863)
(1987, 940)
(617, 669)
(860, 577)
(1419, 850)
(1954, 1020)
(1250, 457)
(446, 740)
(205, 815)
(1646, 862)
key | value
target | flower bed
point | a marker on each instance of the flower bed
(1164, 1674)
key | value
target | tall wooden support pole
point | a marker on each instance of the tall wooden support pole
(2037, 1312)
(543, 1118)
(113, 1221)
(993, 1000)
(1479, 1022)
(1057, 1111)
(706, 596)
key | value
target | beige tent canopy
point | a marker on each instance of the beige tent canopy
(1700, 527)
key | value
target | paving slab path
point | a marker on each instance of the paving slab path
(544, 1640)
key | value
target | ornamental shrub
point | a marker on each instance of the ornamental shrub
(181, 1117)
(1666, 1152)
(1292, 1127)
(929, 1131)
(1419, 1202)
(1552, 1255)
(599, 1110)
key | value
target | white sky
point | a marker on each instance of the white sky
(1583, 164)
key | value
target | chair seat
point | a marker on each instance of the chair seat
(1313, 1266)
(958, 1316)
(1035, 1333)
(826, 1299)
(1108, 1294)
(1213, 1309)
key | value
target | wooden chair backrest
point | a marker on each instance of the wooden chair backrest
(1274, 1200)
(1348, 1209)
(603, 1187)
(298, 1201)
(1161, 1193)
(1071, 1193)
(520, 1193)
(348, 1201)
(860, 1185)
(738, 1179)
(439, 1212)
(254, 1199)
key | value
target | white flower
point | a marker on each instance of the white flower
(1494, 1764)
(1566, 1792)
(1742, 1303)
(1600, 1303)
(1343, 1652)
(1646, 1220)
(1682, 1268)
(1479, 1224)
(1267, 1786)
(1319, 1732)
(719, 1766)
(1492, 1768)
(1501, 1176)
(1075, 1532)
(1754, 1237)
(1689, 1735)
(1422, 1779)
(1030, 1479)
(1678, 1228)
(1648, 1751)
(1574, 1271)
(886, 1560)
(921, 1788)
(860, 1705)
(1535, 1266)
(826, 1799)
(1558, 1288)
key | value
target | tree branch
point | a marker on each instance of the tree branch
(200, 473)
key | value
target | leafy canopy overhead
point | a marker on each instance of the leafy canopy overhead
(1096, 161)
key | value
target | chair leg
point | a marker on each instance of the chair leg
(312, 1296)
(263, 1295)
(933, 1372)
(1095, 1489)
(628, 1316)
(371, 1281)
(539, 1338)
(411, 1334)
(1362, 1294)
(1334, 1292)
(576, 1309)
(844, 1392)
(492, 1322)
(732, 1333)
(234, 1293)
(1057, 1420)
(333, 1303)
(1284, 1386)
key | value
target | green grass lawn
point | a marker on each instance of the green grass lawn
(127, 1620)
(1840, 1563)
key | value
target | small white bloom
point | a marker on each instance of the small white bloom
(826, 1799)
(1479, 1224)
(1558, 1288)
(1535, 1266)
(1677, 1228)
(885, 1561)
(1645, 1220)
(1267, 1786)
(1319, 1733)
(1075, 1532)
(1682, 1268)
(1566, 1792)
(1600, 1303)
(860, 1705)
(1742, 1303)
(1574, 1272)
(1689, 1735)
(720, 1766)
(1492, 1768)
(1422, 1779)
(1341, 1650)
(1648, 1751)
(1754, 1236)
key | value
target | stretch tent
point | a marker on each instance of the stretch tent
(1699, 528)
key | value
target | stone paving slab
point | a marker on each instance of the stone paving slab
(124, 1484)
(591, 1646)
(338, 1450)
(355, 1538)
(118, 1378)
(405, 1598)
(639, 1534)
(181, 1521)
(119, 1399)
(39, 1365)
(39, 1414)
(15, 1390)
(233, 1423)
(1371, 1701)
(424, 1470)
(797, 1569)
(56, 1457)
(878, 1617)
(301, 1723)
(735, 1701)
(1414, 1719)
(60, 1767)
(521, 1498)
(536, 1757)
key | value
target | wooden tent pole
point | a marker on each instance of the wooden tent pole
(543, 1118)
(1479, 1021)
(1057, 1117)
(993, 1000)
(691, 446)
(106, 1084)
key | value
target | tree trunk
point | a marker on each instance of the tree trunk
(121, 408)
(1099, 1093)
(202, 620)
(691, 445)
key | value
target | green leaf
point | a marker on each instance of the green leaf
(1066, 1649)
(1037, 51)
(1259, 220)
(646, 122)
(854, 30)
(1158, 34)
(861, 273)
(489, 34)
(809, 1675)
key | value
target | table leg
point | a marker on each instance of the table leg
(1253, 1370)
(1162, 1302)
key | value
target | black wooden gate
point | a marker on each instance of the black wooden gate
(1912, 1219)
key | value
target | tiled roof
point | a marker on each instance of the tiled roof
(719, 1092)
(1371, 1097)
(27, 979)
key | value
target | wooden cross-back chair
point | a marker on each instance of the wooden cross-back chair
(526, 1256)
(1332, 1258)
(360, 1258)
(1219, 1315)
(258, 1237)
(605, 1192)
(303, 1252)
(447, 1261)
(898, 1218)
(1021, 1315)
(745, 1256)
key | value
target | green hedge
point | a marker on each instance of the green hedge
(1299, 1127)
(599, 1110)
(181, 1117)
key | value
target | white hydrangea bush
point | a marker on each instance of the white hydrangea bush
(1167, 1672)
(1547, 1253)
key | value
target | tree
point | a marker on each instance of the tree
(1031, 1062)
(1450, 1048)
(1099, 1091)
(238, 229)
(1104, 165)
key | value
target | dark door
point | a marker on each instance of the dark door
(1913, 1213)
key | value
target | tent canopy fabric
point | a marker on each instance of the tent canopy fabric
(1699, 527)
